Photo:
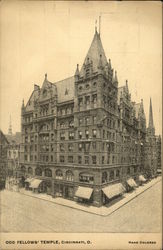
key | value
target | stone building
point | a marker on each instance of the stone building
(3, 158)
(13, 152)
(83, 138)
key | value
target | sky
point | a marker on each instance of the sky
(38, 37)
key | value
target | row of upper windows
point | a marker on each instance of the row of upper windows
(86, 86)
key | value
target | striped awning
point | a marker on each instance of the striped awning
(35, 183)
(141, 178)
(84, 192)
(113, 190)
(131, 182)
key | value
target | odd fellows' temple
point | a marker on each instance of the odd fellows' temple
(83, 138)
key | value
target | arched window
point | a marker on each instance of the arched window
(69, 176)
(104, 177)
(111, 175)
(38, 171)
(23, 169)
(30, 170)
(59, 174)
(48, 172)
(86, 177)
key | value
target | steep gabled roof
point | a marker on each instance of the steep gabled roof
(94, 54)
(65, 89)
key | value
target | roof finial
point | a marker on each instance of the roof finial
(96, 26)
(10, 127)
(99, 25)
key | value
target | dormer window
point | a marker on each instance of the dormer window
(66, 91)
(80, 88)
(87, 86)
(44, 93)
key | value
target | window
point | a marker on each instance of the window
(88, 178)
(70, 147)
(51, 158)
(69, 176)
(111, 175)
(52, 147)
(62, 158)
(94, 84)
(87, 134)
(117, 173)
(59, 174)
(80, 102)
(80, 121)
(86, 159)
(94, 132)
(79, 159)
(71, 124)
(70, 159)
(71, 135)
(62, 136)
(38, 171)
(87, 86)
(80, 134)
(30, 170)
(94, 99)
(47, 158)
(62, 149)
(52, 137)
(87, 100)
(80, 146)
(128, 170)
(94, 159)
(94, 119)
(104, 134)
(104, 177)
(48, 172)
(62, 125)
(94, 145)
(103, 159)
(113, 158)
(25, 157)
(31, 157)
(87, 120)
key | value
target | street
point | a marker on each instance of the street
(21, 213)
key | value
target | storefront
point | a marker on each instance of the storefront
(36, 185)
(130, 184)
(69, 192)
(112, 191)
(84, 194)
(142, 179)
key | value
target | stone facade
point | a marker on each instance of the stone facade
(3, 158)
(83, 131)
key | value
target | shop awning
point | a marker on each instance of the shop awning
(84, 192)
(141, 178)
(131, 182)
(35, 183)
(113, 190)
(29, 179)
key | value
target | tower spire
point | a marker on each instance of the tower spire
(151, 128)
(99, 25)
(10, 127)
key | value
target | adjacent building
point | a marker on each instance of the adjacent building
(83, 138)
(3, 159)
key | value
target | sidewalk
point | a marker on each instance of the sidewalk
(103, 211)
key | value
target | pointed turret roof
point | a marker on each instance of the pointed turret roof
(150, 124)
(95, 54)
